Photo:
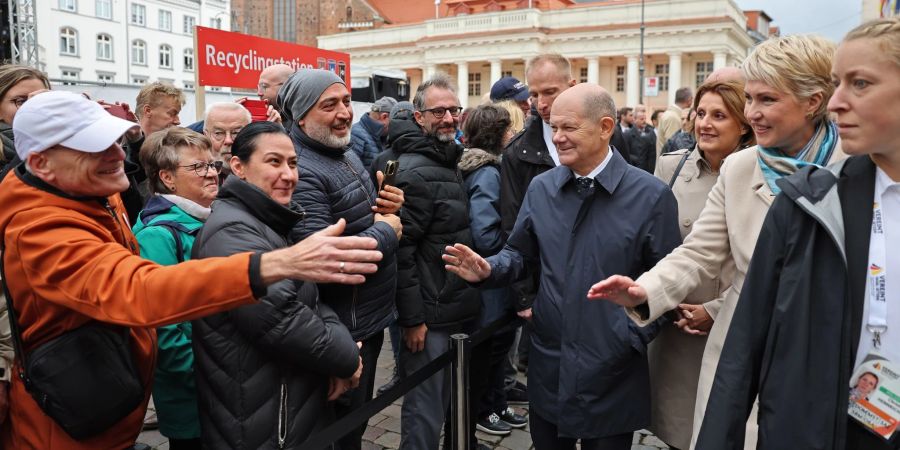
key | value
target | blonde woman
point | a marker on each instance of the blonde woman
(516, 117)
(788, 84)
(803, 331)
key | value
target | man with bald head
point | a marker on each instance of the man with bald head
(593, 214)
(726, 74)
(270, 80)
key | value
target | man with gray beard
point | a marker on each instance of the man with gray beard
(333, 185)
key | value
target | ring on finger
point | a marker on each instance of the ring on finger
(341, 267)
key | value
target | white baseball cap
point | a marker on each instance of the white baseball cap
(68, 119)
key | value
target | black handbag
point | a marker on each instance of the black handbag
(86, 379)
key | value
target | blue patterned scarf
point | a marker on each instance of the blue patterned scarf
(775, 164)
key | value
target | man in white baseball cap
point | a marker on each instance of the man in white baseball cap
(71, 262)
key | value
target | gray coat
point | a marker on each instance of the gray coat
(588, 364)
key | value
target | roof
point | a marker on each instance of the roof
(417, 11)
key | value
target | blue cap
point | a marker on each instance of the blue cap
(509, 88)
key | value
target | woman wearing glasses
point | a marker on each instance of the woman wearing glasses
(266, 372)
(184, 180)
(17, 83)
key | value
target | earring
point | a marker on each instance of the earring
(172, 188)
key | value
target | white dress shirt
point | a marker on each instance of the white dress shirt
(548, 139)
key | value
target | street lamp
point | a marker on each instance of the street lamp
(641, 67)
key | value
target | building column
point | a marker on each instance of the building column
(633, 81)
(429, 71)
(496, 71)
(462, 81)
(674, 75)
(720, 60)
(593, 68)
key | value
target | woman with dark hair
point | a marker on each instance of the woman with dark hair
(17, 84)
(266, 372)
(487, 130)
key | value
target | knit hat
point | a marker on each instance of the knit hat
(302, 90)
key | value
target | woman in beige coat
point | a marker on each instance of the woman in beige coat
(788, 84)
(675, 356)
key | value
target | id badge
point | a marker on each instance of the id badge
(875, 396)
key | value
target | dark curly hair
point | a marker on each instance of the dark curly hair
(485, 128)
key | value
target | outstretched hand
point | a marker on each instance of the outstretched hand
(620, 290)
(465, 263)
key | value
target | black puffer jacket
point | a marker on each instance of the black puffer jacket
(8, 158)
(333, 185)
(262, 370)
(435, 214)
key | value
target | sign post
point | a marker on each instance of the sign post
(228, 59)
(651, 86)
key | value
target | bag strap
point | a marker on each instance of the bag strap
(678, 168)
(14, 326)
(179, 251)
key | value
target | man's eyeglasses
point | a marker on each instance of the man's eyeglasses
(202, 168)
(219, 135)
(264, 86)
(438, 113)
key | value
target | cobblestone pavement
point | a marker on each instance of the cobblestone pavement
(383, 432)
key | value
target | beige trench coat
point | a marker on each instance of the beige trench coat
(674, 356)
(727, 229)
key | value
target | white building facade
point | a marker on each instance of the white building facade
(684, 41)
(124, 42)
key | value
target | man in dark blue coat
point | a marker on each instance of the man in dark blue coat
(593, 215)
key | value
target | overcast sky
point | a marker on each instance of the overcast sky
(830, 18)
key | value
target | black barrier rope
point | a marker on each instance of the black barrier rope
(361, 415)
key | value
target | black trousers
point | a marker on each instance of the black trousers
(354, 398)
(545, 436)
(185, 444)
(494, 398)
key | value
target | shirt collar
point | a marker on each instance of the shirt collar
(599, 168)
(883, 182)
(608, 174)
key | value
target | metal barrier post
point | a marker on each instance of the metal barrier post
(459, 392)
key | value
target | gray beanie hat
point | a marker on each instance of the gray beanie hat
(302, 90)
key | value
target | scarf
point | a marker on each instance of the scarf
(191, 207)
(775, 164)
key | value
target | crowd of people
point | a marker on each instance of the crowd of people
(717, 277)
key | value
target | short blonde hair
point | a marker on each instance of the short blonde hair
(162, 151)
(153, 93)
(886, 31)
(516, 116)
(563, 66)
(799, 65)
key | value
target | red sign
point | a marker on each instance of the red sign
(235, 60)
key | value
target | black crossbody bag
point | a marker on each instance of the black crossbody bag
(86, 379)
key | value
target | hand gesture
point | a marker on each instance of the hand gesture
(465, 263)
(392, 220)
(694, 319)
(390, 198)
(620, 290)
(272, 115)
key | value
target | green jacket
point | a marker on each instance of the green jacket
(174, 389)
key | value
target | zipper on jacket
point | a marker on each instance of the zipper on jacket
(282, 416)
(359, 180)
(112, 213)
(353, 308)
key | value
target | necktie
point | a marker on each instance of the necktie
(584, 186)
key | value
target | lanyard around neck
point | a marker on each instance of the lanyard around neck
(877, 274)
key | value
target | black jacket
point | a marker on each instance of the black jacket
(334, 184)
(795, 331)
(262, 370)
(435, 214)
(642, 148)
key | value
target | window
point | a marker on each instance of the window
(138, 14)
(104, 47)
(215, 22)
(70, 74)
(506, 73)
(103, 9)
(583, 74)
(106, 77)
(68, 42)
(138, 80)
(662, 72)
(139, 52)
(620, 78)
(68, 5)
(189, 22)
(475, 84)
(165, 20)
(703, 70)
(165, 56)
(188, 59)
(188, 84)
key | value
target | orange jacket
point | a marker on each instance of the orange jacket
(69, 261)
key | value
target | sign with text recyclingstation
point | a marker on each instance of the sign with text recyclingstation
(235, 60)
